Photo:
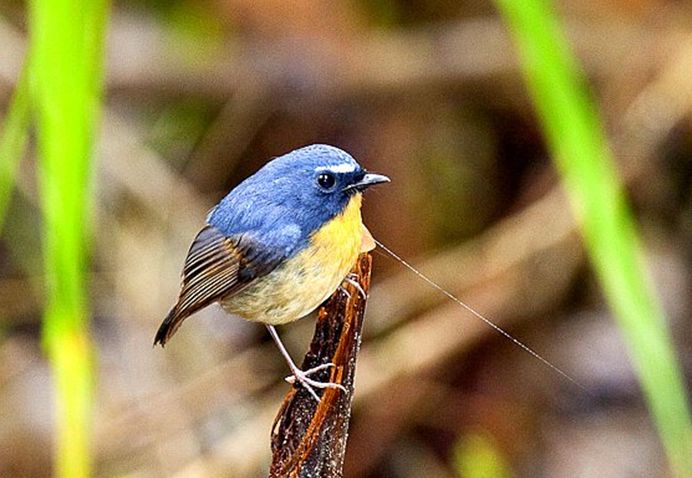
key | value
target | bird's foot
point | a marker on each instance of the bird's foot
(303, 377)
(353, 280)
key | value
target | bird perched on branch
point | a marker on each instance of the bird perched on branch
(278, 245)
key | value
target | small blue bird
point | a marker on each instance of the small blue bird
(278, 245)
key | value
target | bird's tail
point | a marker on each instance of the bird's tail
(169, 326)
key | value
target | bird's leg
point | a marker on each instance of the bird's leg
(351, 278)
(303, 376)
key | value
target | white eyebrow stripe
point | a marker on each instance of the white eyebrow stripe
(339, 168)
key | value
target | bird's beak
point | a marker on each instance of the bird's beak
(369, 179)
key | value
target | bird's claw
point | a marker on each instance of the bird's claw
(303, 377)
(353, 280)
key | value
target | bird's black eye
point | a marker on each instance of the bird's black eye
(326, 181)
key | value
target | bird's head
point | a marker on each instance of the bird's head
(315, 183)
(308, 186)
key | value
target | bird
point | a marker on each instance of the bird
(278, 245)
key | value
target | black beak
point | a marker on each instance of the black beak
(369, 179)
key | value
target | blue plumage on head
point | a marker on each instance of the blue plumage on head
(288, 196)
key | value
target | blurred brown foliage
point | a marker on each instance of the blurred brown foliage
(200, 94)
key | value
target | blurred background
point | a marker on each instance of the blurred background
(199, 94)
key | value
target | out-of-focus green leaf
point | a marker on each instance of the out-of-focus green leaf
(576, 139)
(476, 456)
(67, 39)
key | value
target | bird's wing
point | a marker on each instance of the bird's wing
(217, 266)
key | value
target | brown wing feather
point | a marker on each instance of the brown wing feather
(211, 272)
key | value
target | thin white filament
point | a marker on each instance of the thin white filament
(478, 315)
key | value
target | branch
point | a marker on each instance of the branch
(309, 438)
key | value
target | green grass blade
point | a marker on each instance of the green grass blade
(13, 141)
(66, 75)
(578, 145)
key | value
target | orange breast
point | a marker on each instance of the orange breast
(304, 281)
